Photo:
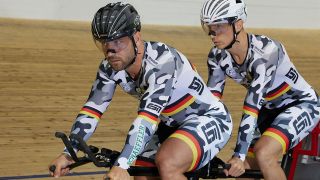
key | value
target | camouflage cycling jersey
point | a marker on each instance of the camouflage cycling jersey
(168, 89)
(272, 82)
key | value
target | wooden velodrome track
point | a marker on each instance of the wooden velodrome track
(47, 68)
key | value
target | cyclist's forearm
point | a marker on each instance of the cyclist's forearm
(140, 133)
(84, 126)
(245, 136)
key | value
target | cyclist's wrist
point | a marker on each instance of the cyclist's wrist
(242, 157)
(67, 155)
(122, 163)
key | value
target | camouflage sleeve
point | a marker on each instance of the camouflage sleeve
(160, 81)
(216, 76)
(99, 99)
(263, 71)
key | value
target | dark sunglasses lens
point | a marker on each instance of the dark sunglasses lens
(212, 33)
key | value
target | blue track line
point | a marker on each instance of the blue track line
(47, 175)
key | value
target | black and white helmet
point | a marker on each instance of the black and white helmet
(115, 20)
(222, 11)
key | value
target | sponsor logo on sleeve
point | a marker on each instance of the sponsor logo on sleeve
(154, 107)
(293, 75)
(197, 85)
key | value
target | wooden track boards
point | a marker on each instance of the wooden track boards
(47, 68)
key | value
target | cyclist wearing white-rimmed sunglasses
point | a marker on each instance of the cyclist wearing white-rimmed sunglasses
(279, 103)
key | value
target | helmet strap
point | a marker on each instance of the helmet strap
(135, 52)
(235, 35)
(134, 45)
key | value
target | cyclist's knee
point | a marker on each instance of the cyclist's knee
(164, 164)
(261, 154)
(167, 167)
(266, 155)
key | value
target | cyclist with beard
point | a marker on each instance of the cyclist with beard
(170, 91)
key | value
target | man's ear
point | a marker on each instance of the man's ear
(239, 25)
(137, 37)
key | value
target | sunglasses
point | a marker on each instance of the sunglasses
(114, 46)
(215, 29)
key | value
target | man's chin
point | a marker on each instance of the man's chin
(117, 68)
(219, 46)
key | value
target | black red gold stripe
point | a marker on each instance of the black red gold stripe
(192, 143)
(251, 153)
(283, 88)
(250, 110)
(216, 94)
(279, 136)
(180, 104)
(152, 118)
(91, 112)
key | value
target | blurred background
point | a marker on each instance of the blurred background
(261, 14)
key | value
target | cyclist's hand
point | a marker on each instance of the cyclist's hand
(61, 165)
(237, 167)
(117, 173)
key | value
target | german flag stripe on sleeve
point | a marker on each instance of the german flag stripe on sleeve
(91, 112)
(216, 93)
(250, 110)
(177, 106)
(279, 136)
(192, 143)
(283, 88)
(150, 117)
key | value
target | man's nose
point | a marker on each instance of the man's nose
(113, 51)
(109, 53)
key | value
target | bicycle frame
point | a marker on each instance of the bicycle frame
(105, 158)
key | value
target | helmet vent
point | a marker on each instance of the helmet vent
(224, 9)
(220, 6)
(215, 6)
(118, 14)
(121, 24)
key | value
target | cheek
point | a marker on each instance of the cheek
(127, 54)
(228, 36)
(131, 53)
